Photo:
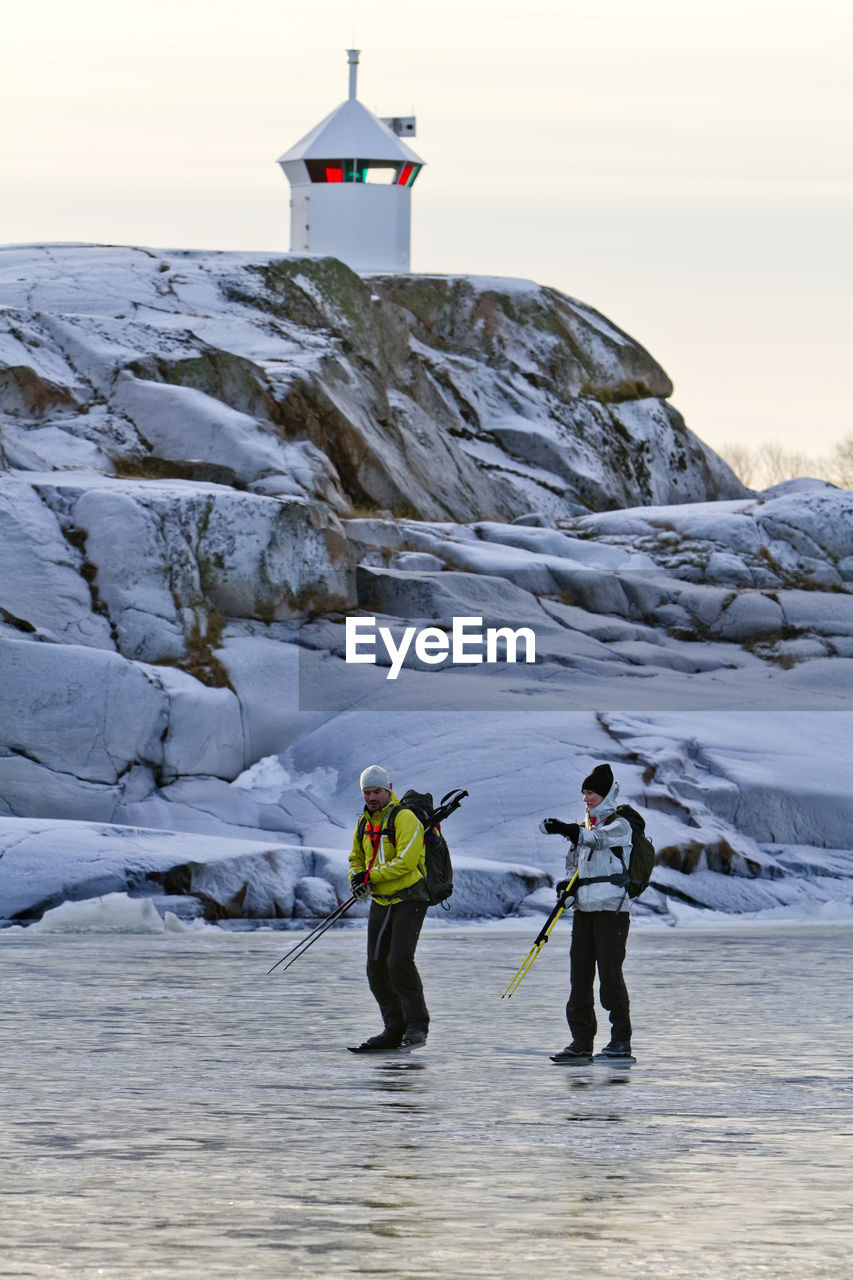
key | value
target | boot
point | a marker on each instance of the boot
(616, 1049)
(577, 1051)
(386, 1040)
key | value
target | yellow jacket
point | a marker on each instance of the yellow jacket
(398, 864)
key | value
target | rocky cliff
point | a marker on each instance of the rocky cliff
(435, 397)
(210, 462)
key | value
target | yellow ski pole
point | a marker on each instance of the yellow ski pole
(542, 938)
(527, 963)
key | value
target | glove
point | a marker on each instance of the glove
(562, 886)
(359, 884)
(554, 827)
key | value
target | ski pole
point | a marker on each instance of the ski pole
(320, 929)
(542, 937)
(449, 804)
(534, 951)
(317, 932)
(532, 954)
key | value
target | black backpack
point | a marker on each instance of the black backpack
(641, 862)
(438, 883)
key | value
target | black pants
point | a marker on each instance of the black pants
(392, 936)
(598, 938)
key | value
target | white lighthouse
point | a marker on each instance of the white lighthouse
(351, 183)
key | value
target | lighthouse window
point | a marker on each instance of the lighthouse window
(377, 171)
(406, 174)
(400, 175)
(328, 170)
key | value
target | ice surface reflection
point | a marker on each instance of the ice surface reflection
(169, 1111)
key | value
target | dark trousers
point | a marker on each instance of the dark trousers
(598, 938)
(392, 936)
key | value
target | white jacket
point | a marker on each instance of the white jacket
(593, 856)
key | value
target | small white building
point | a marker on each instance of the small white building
(351, 183)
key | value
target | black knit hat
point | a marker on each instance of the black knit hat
(600, 780)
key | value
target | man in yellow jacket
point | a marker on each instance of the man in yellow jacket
(387, 862)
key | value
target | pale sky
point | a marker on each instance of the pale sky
(682, 165)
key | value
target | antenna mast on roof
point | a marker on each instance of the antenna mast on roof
(352, 58)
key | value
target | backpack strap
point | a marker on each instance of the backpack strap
(389, 829)
(618, 849)
(619, 852)
(376, 833)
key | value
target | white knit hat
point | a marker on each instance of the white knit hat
(375, 776)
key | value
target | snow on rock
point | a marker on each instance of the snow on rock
(92, 716)
(747, 811)
(209, 462)
(706, 590)
(548, 381)
(285, 374)
(162, 553)
(43, 590)
(80, 711)
(313, 898)
(45, 864)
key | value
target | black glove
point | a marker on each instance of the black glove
(554, 827)
(359, 884)
(562, 886)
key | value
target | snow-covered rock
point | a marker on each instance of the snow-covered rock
(210, 462)
(454, 397)
(742, 819)
(46, 863)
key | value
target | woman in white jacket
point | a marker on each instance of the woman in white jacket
(600, 851)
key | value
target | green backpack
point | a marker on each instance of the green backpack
(641, 863)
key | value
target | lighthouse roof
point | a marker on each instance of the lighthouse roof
(351, 131)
